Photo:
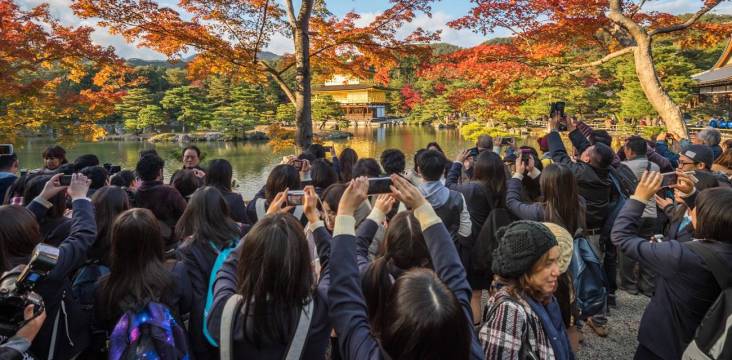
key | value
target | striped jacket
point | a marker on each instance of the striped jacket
(507, 320)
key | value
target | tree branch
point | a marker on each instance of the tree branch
(278, 79)
(687, 23)
(606, 58)
(291, 14)
(260, 35)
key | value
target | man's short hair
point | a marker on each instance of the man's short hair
(431, 164)
(149, 166)
(484, 142)
(85, 161)
(7, 161)
(637, 145)
(710, 136)
(601, 156)
(98, 176)
(366, 167)
(603, 137)
(393, 161)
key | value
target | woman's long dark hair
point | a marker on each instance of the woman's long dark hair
(206, 218)
(424, 320)
(403, 248)
(109, 202)
(490, 171)
(323, 174)
(34, 187)
(275, 277)
(280, 178)
(19, 234)
(219, 175)
(561, 200)
(347, 161)
(137, 271)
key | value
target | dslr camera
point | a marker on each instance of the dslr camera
(17, 285)
(112, 169)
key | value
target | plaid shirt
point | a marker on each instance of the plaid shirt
(503, 332)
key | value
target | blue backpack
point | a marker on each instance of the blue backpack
(223, 254)
(588, 277)
(83, 285)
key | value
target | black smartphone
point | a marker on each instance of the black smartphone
(23, 172)
(506, 141)
(65, 180)
(525, 156)
(6, 149)
(114, 169)
(669, 179)
(557, 108)
(379, 185)
(297, 164)
(295, 197)
(474, 152)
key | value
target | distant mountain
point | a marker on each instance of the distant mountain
(264, 55)
(444, 48)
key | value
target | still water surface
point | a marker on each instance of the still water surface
(252, 162)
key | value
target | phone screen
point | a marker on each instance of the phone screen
(65, 180)
(669, 180)
(6, 149)
(379, 186)
(474, 152)
(295, 197)
(525, 155)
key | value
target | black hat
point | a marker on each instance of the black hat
(520, 245)
(699, 154)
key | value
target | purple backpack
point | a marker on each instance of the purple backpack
(152, 333)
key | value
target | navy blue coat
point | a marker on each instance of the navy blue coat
(685, 289)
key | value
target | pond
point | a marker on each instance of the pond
(252, 162)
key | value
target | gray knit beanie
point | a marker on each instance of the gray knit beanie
(520, 245)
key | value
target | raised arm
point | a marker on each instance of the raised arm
(533, 211)
(453, 176)
(662, 258)
(442, 250)
(348, 311)
(73, 250)
(368, 228)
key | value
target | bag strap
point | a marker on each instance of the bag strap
(221, 257)
(227, 324)
(297, 344)
(716, 265)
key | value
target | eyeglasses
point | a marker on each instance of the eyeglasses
(684, 163)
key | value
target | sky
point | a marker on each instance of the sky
(442, 12)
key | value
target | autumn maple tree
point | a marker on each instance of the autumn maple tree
(571, 36)
(228, 36)
(53, 76)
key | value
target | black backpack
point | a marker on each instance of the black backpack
(481, 256)
(713, 338)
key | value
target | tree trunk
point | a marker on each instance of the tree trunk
(652, 87)
(303, 115)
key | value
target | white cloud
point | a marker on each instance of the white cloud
(281, 44)
(685, 6)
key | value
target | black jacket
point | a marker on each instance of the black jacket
(674, 229)
(479, 201)
(55, 230)
(237, 208)
(593, 183)
(56, 287)
(685, 289)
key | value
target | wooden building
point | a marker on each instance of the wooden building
(715, 84)
(360, 101)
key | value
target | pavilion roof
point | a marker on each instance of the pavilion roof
(720, 73)
(348, 87)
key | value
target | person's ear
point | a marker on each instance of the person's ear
(701, 166)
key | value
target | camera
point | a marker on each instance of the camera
(557, 109)
(379, 186)
(112, 169)
(16, 288)
(295, 197)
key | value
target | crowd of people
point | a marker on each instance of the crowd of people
(320, 264)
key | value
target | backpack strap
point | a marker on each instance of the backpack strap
(259, 205)
(716, 266)
(221, 256)
(297, 344)
(227, 324)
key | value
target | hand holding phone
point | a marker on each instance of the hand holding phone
(295, 197)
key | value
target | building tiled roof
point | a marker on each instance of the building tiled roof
(714, 76)
(347, 87)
